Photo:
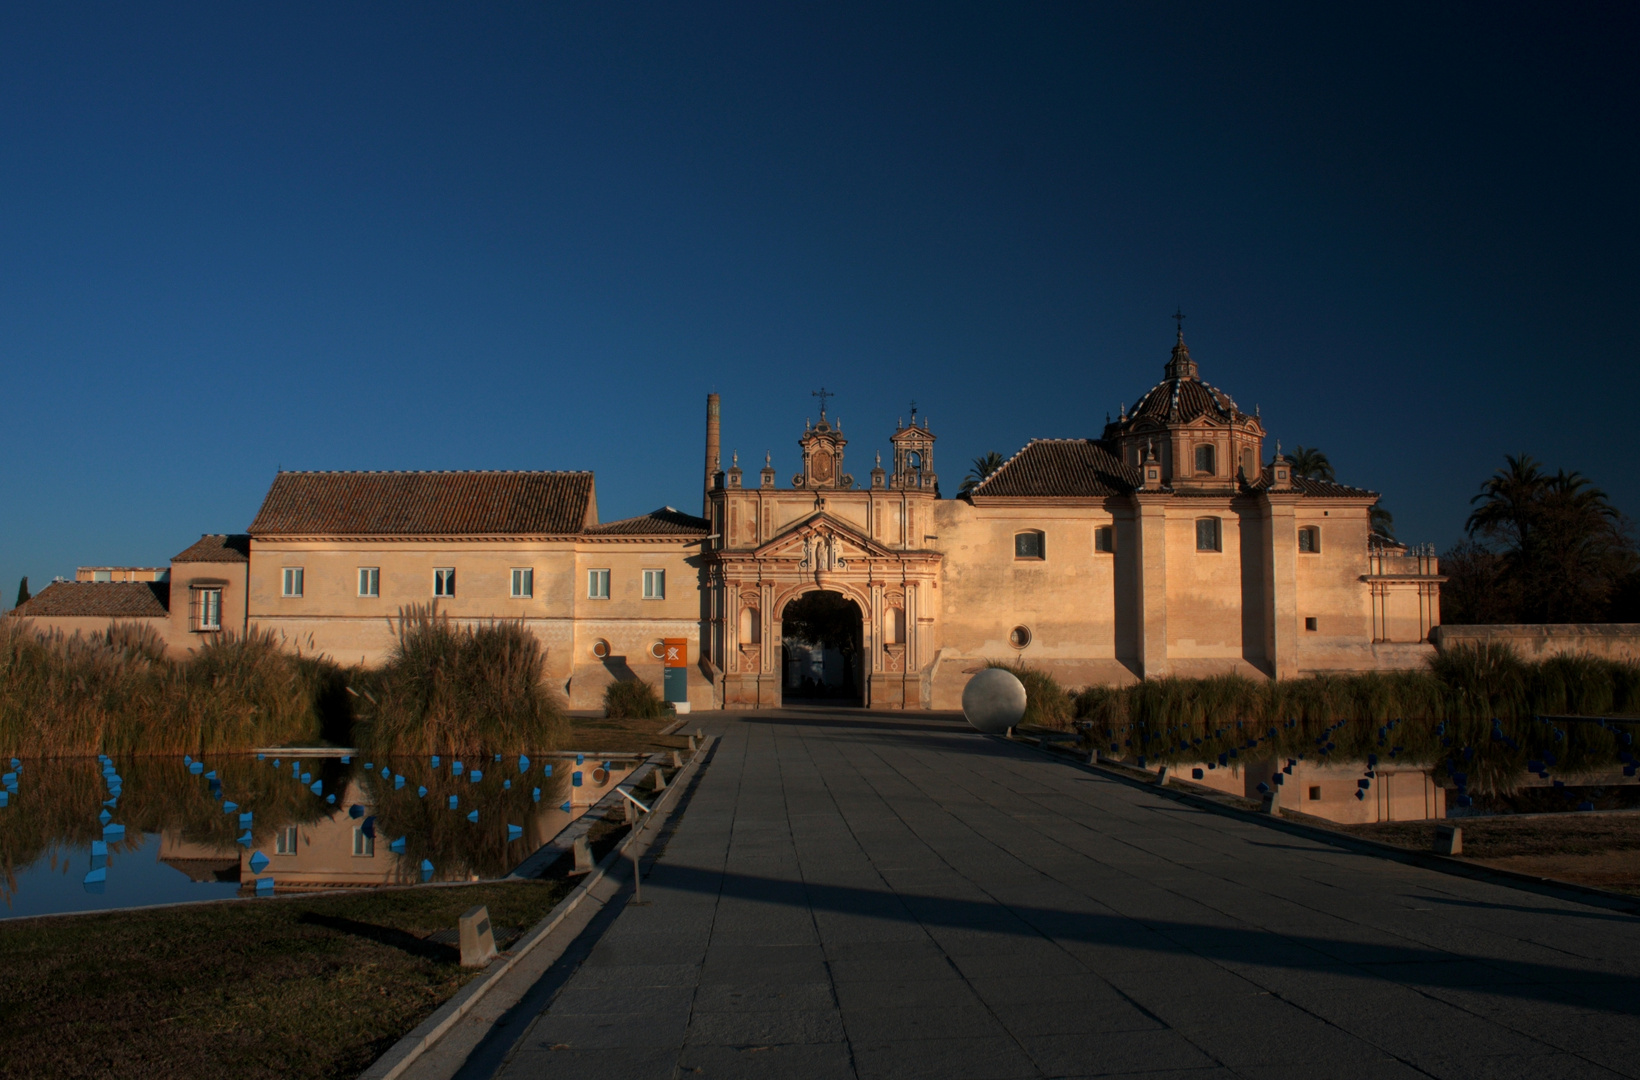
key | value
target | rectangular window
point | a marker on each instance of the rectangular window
(1309, 623)
(1028, 545)
(292, 585)
(284, 841)
(1104, 539)
(102, 575)
(363, 846)
(1309, 540)
(523, 582)
(1315, 794)
(210, 608)
(654, 584)
(370, 581)
(598, 584)
(444, 581)
(1207, 534)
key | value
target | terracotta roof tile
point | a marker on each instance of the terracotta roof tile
(1063, 468)
(217, 548)
(99, 599)
(426, 504)
(663, 522)
(1323, 489)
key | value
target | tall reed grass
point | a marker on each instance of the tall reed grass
(450, 688)
(116, 692)
(633, 699)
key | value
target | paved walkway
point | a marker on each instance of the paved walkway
(863, 895)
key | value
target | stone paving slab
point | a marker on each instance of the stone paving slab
(874, 896)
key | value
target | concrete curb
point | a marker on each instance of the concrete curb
(1446, 864)
(404, 1053)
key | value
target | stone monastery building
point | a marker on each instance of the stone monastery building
(1167, 546)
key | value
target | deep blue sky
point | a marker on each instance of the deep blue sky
(240, 237)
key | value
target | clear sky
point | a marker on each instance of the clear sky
(240, 237)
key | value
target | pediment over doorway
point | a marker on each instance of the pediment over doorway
(822, 541)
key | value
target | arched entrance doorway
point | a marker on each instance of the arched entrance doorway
(822, 650)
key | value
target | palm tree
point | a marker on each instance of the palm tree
(1381, 521)
(1509, 501)
(1310, 463)
(984, 466)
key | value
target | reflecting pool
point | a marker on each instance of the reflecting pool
(1367, 771)
(80, 834)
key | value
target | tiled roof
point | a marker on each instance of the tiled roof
(1179, 398)
(426, 504)
(1323, 489)
(217, 547)
(663, 522)
(1064, 468)
(99, 599)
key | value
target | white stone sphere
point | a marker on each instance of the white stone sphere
(994, 700)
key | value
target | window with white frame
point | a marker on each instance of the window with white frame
(654, 584)
(291, 585)
(209, 605)
(523, 582)
(1208, 537)
(598, 584)
(370, 581)
(284, 841)
(363, 846)
(444, 581)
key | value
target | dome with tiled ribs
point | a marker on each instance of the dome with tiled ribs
(1180, 397)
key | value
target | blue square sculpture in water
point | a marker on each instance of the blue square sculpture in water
(398, 782)
(473, 817)
(264, 886)
(565, 808)
(475, 776)
(535, 795)
(331, 799)
(104, 818)
(546, 770)
(230, 807)
(369, 827)
(5, 798)
(355, 811)
(96, 880)
(211, 775)
(114, 831)
(455, 768)
(318, 787)
(196, 767)
(258, 862)
(523, 763)
(426, 870)
(369, 765)
(245, 819)
(514, 832)
(245, 839)
(276, 763)
(397, 846)
(99, 854)
(575, 778)
(422, 791)
(580, 759)
(435, 761)
(454, 801)
(506, 785)
(347, 759)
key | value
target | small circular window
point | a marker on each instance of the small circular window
(600, 776)
(658, 650)
(600, 648)
(1019, 637)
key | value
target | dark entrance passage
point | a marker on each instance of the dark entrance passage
(821, 650)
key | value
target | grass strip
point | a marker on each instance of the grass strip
(300, 987)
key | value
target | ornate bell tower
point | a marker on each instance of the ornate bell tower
(914, 457)
(822, 447)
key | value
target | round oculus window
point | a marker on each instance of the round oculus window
(658, 650)
(1019, 637)
(600, 648)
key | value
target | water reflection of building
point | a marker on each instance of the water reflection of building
(1393, 792)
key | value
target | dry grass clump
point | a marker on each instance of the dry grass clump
(633, 699)
(116, 692)
(449, 688)
(1046, 702)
